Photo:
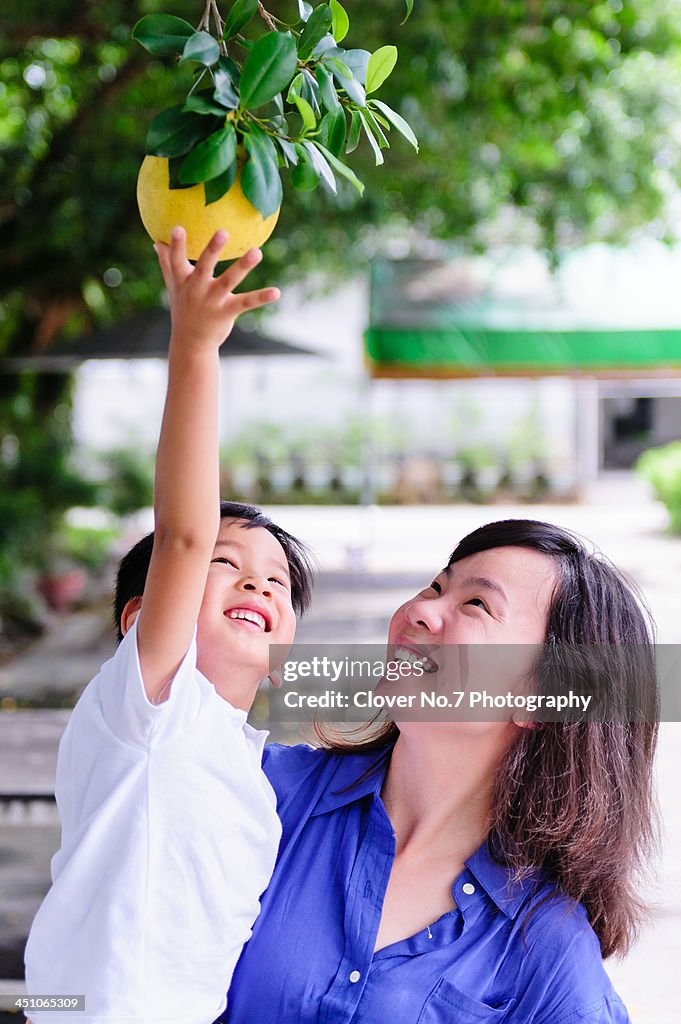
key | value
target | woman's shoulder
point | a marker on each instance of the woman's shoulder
(302, 774)
(285, 764)
(567, 966)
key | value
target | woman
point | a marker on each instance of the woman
(470, 872)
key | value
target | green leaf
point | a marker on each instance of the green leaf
(378, 131)
(217, 187)
(174, 164)
(380, 67)
(327, 90)
(332, 128)
(174, 132)
(204, 103)
(321, 165)
(340, 23)
(232, 69)
(306, 112)
(260, 179)
(354, 133)
(340, 66)
(239, 15)
(398, 122)
(304, 177)
(304, 10)
(310, 89)
(347, 77)
(226, 79)
(317, 25)
(203, 48)
(289, 150)
(305, 86)
(342, 169)
(372, 141)
(295, 87)
(325, 43)
(211, 157)
(410, 8)
(357, 61)
(268, 69)
(162, 34)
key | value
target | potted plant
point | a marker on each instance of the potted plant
(290, 98)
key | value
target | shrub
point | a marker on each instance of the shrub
(661, 467)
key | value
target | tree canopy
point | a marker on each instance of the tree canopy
(560, 110)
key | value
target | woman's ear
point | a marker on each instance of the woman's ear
(130, 612)
(519, 719)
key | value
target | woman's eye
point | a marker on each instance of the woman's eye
(436, 587)
(479, 603)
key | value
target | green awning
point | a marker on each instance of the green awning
(467, 352)
(471, 317)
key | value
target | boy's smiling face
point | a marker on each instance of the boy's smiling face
(246, 607)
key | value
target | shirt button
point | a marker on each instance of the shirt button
(355, 976)
(468, 888)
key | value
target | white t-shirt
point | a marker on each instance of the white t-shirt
(169, 837)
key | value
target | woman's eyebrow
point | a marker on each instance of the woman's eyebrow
(481, 581)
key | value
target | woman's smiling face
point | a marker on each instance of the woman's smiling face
(463, 622)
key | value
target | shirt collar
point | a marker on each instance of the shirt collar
(507, 893)
(362, 773)
(369, 768)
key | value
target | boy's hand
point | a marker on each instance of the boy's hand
(203, 308)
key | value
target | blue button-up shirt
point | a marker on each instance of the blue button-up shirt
(505, 954)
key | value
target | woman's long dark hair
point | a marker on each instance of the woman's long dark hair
(576, 798)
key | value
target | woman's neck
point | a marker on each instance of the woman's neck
(439, 785)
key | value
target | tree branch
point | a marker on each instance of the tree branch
(266, 17)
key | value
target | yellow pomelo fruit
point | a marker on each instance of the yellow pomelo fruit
(161, 208)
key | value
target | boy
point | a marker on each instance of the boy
(169, 830)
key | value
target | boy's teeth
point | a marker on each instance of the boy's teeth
(412, 658)
(241, 613)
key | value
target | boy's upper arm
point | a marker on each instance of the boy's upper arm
(170, 606)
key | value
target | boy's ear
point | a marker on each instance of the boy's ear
(275, 677)
(130, 612)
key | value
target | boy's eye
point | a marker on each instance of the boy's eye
(273, 579)
(479, 603)
(223, 561)
(436, 587)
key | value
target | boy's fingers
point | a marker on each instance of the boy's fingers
(234, 275)
(251, 300)
(179, 265)
(163, 255)
(210, 256)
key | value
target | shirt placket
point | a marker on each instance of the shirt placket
(365, 893)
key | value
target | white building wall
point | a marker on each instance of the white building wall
(119, 403)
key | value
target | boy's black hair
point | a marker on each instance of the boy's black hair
(133, 568)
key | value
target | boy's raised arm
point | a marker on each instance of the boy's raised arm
(186, 488)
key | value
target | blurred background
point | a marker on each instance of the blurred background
(497, 322)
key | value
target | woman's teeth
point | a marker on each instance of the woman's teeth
(412, 658)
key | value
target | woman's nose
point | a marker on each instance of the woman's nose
(425, 615)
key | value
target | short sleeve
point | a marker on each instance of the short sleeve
(127, 711)
(607, 1010)
(569, 971)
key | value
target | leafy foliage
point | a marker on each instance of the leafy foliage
(661, 467)
(554, 116)
(298, 64)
